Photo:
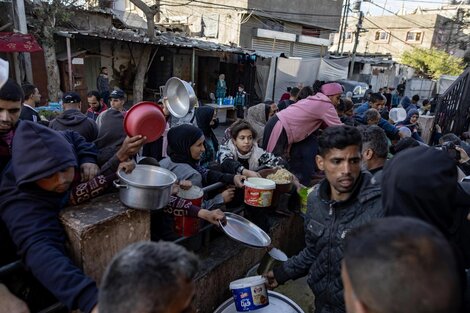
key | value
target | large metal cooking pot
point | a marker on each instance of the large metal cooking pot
(180, 97)
(147, 187)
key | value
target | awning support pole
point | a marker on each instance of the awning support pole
(69, 61)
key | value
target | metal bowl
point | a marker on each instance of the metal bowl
(180, 97)
(244, 231)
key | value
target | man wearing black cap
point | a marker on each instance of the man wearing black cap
(73, 119)
(117, 101)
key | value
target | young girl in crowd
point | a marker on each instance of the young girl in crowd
(241, 154)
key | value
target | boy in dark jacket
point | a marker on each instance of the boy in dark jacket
(240, 101)
(345, 199)
(33, 190)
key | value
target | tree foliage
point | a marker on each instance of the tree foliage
(433, 63)
(44, 18)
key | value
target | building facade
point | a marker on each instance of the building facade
(277, 26)
(394, 34)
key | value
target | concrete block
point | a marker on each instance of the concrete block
(426, 122)
(98, 229)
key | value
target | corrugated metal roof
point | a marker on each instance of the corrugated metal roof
(161, 39)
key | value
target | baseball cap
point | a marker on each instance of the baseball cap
(117, 94)
(71, 97)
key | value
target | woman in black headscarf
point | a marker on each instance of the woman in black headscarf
(185, 147)
(206, 121)
(421, 182)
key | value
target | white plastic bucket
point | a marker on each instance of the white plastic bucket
(249, 293)
(259, 191)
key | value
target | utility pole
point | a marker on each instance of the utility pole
(356, 42)
(20, 24)
(346, 16)
(341, 27)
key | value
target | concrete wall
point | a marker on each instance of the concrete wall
(319, 13)
(434, 29)
(85, 20)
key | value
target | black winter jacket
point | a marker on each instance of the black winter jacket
(326, 224)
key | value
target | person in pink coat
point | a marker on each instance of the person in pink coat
(292, 133)
(303, 118)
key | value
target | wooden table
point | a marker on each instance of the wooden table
(222, 111)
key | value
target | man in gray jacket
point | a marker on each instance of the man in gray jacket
(345, 199)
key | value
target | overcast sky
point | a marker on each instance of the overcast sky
(396, 5)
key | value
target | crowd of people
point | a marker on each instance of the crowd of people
(386, 226)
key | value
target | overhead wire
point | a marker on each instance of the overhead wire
(400, 16)
(392, 35)
(219, 5)
(223, 22)
(423, 1)
(282, 22)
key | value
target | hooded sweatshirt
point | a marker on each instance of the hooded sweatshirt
(422, 183)
(111, 134)
(256, 116)
(75, 120)
(405, 102)
(31, 213)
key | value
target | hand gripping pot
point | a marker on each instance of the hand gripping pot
(146, 187)
(259, 191)
(249, 293)
(187, 225)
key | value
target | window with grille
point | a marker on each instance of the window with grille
(381, 36)
(414, 36)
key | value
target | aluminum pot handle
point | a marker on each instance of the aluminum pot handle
(213, 187)
(117, 185)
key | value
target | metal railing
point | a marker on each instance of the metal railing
(453, 106)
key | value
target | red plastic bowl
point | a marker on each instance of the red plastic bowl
(145, 118)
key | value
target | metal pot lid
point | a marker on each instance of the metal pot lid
(244, 231)
(148, 176)
(278, 303)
